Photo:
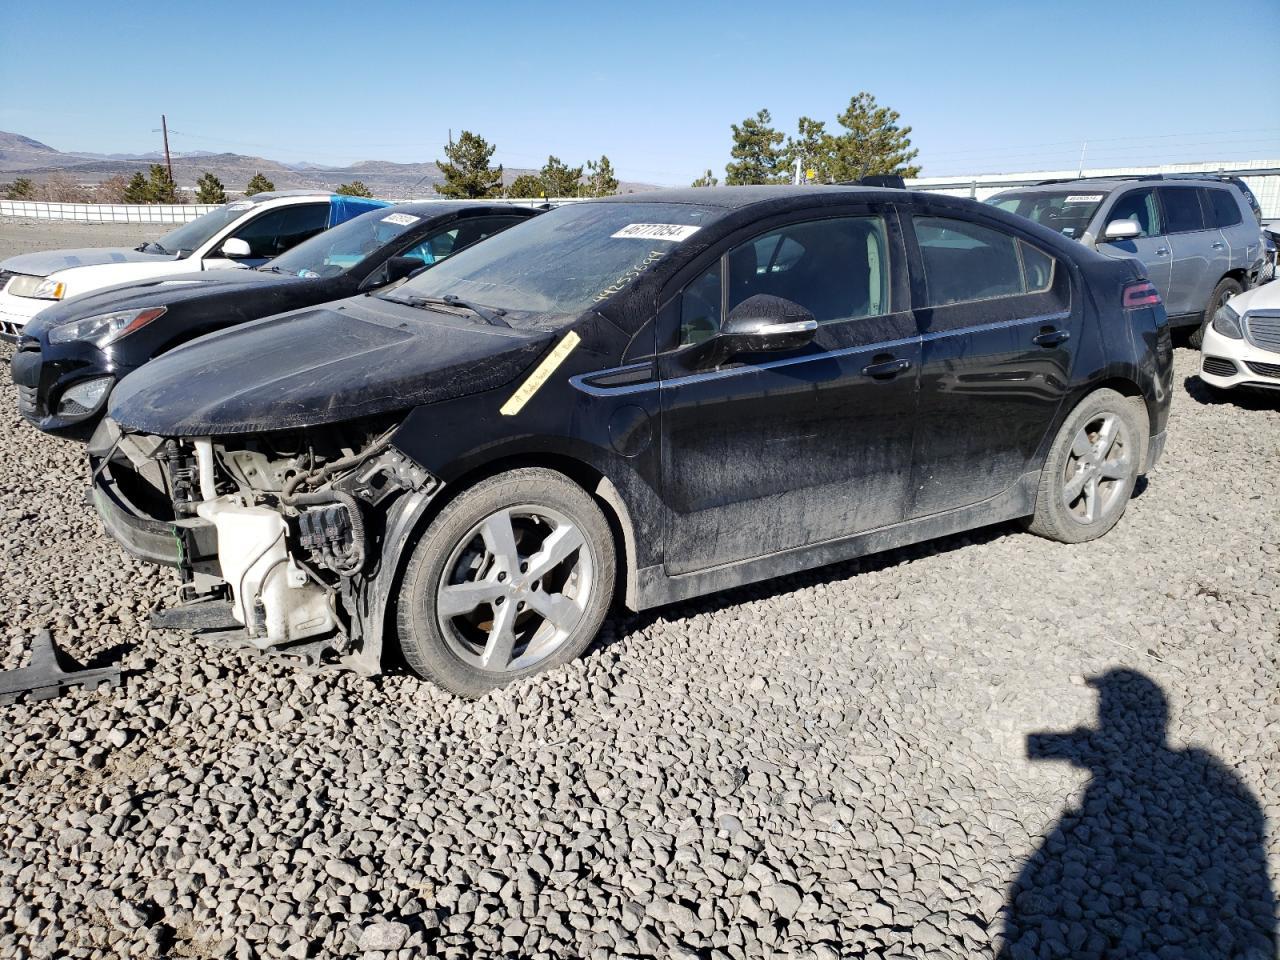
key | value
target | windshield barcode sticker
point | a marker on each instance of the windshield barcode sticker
(401, 219)
(675, 232)
(1084, 198)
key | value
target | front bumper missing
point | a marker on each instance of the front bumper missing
(183, 544)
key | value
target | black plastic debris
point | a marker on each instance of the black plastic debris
(52, 673)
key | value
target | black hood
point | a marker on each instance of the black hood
(154, 292)
(349, 359)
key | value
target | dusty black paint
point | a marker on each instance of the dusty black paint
(196, 304)
(767, 464)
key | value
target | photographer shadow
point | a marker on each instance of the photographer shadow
(1165, 857)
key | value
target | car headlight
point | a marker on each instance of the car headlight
(1227, 322)
(105, 328)
(39, 288)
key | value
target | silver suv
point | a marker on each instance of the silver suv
(1199, 237)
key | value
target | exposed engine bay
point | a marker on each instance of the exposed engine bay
(285, 526)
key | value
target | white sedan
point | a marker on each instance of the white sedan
(1242, 345)
(243, 233)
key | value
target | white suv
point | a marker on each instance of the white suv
(243, 233)
(1242, 345)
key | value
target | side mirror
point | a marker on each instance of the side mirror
(1122, 230)
(400, 267)
(761, 324)
(234, 248)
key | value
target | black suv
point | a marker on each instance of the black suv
(650, 397)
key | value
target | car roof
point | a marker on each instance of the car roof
(287, 194)
(1107, 184)
(436, 208)
(733, 198)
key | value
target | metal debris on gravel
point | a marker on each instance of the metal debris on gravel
(869, 760)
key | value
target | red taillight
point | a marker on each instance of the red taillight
(1139, 294)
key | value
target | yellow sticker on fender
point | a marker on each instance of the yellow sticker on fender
(541, 373)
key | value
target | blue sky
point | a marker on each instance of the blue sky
(987, 87)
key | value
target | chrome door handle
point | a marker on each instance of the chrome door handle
(1162, 252)
(889, 368)
(1217, 245)
(1051, 338)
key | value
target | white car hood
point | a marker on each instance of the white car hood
(43, 264)
(1265, 297)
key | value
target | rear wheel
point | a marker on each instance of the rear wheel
(1091, 469)
(515, 576)
(1224, 291)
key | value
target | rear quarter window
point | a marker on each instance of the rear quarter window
(1222, 208)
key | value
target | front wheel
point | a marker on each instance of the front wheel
(1224, 291)
(1091, 469)
(514, 576)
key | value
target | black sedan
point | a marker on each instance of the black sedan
(72, 354)
(642, 398)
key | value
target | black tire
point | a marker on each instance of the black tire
(1224, 291)
(423, 641)
(1062, 517)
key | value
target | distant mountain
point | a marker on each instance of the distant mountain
(23, 157)
(17, 152)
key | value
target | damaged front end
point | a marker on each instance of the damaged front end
(286, 529)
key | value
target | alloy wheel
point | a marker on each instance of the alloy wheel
(514, 588)
(1096, 471)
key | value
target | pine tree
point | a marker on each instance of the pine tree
(813, 147)
(137, 190)
(209, 189)
(601, 180)
(467, 172)
(526, 186)
(258, 184)
(161, 187)
(559, 179)
(706, 180)
(757, 148)
(21, 189)
(355, 188)
(874, 145)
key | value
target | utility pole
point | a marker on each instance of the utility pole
(164, 127)
(799, 161)
(1083, 147)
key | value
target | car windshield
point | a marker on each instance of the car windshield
(330, 253)
(191, 235)
(563, 261)
(1067, 211)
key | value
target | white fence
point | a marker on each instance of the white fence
(105, 212)
(166, 213)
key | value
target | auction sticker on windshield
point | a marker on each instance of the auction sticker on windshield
(674, 232)
(401, 219)
(1084, 198)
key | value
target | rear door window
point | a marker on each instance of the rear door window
(1141, 207)
(1222, 208)
(965, 261)
(1181, 209)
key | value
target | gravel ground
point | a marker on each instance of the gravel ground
(26, 235)
(954, 750)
